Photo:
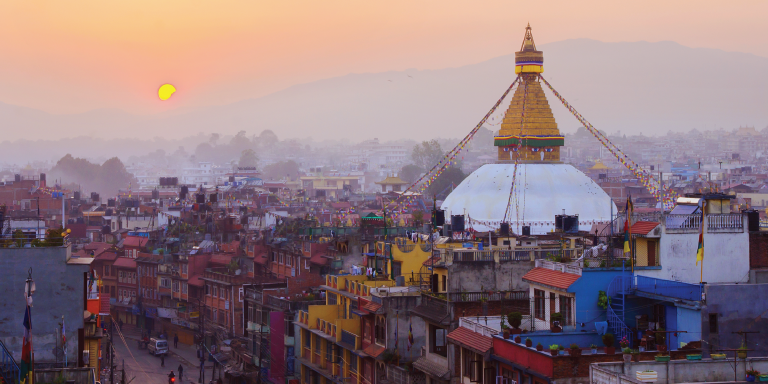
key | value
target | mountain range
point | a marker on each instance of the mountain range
(631, 87)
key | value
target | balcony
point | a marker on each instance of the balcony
(560, 267)
(463, 297)
(499, 255)
(350, 339)
(667, 288)
(725, 223)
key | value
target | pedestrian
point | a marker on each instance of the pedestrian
(162, 360)
(120, 323)
(175, 340)
(181, 374)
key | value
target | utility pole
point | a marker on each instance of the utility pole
(261, 326)
(111, 353)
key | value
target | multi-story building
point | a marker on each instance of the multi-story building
(147, 268)
(127, 289)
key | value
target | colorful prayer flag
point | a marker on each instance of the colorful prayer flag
(627, 230)
(26, 349)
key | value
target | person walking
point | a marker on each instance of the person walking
(181, 373)
(175, 340)
(162, 360)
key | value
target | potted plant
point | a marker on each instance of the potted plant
(752, 374)
(693, 357)
(555, 320)
(762, 377)
(742, 352)
(624, 342)
(561, 350)
(647, 376)
(574, 350)
(626, 354)
(515, 319)
(528, 342)
(636, 355)
(717, 356)
(608, 342)
(505, 331)
(594, 349)
(553, 349)
(661, 358)
(517, 339)
(539, 347)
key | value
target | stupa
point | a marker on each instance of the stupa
(545, 187)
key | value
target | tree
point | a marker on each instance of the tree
(410, 173)
(427, 154)
(268, 138)
(281, 169)
(248, 158)
(451, 176)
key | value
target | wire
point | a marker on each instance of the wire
(120, 333)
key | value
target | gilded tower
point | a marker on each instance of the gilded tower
(536, 130)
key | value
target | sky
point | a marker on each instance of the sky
(68, 57)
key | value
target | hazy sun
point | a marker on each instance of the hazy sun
(165, 91)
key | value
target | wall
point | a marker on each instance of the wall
(684, 371)
(398, 317)
(59, 293)
(587, 289)
(488, 276)
(726, 257)
(738, 307)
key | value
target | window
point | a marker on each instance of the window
(274, 256)
(438, 344)
(184, 288)
(215, 314)
(466, 362)
(288, 261)
(538, 304)
(215, 291)
(281, 259)
(713, 323)
(207, 290)
(331, 298)
(445, 283)
(396, 269)
(566, 308)
(240, 297)
(184, 268)
(380, 331)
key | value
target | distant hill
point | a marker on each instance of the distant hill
(632, 87)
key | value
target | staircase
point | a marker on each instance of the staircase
(9, 370)
(617, 291)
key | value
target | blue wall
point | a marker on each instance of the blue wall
(586, 289)
(688, 320)
(583, 339)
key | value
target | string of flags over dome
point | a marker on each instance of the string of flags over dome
(541, 140)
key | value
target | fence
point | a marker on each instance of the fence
(682, 222)
(668, 288)
(725, 222)
(487, 296)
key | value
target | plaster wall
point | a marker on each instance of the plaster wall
(684, 371)
(398, 316)
(726, 258)
(735, 307)
(59, 292)
(488, 276)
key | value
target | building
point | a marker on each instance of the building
(531, 145)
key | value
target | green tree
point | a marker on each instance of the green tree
(427, 154)
(268, 138)
(281, 169)
(410, 173)
(452, 176)
(248, 158)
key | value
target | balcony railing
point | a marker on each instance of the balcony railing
(487, 296)
(682, 223)
(350, 338)
(727, 222)
(668, 288)
(561, 267)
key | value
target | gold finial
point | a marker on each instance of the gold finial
(528, 44)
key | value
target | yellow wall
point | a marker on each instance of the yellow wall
(324, 312)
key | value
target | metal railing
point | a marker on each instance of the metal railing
(349, 338)
(472, 255)
(487, 296)
(682, 222)
(561, 267)
(669, 288)
(9, 370)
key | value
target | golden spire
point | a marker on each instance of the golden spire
(528, 121)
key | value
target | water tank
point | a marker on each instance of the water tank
(439, 218)
(200, 198)
(753, 220)
(77, 195)
(526, 230)
(214, 197)
(504, 230)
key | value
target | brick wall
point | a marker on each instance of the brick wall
(493, 308)
(302, 282)
(758, 250)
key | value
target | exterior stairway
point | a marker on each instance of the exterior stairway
(617, 290)
(9, 370)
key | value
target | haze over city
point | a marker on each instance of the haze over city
(383, 192)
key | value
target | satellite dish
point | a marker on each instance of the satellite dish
(238, 272)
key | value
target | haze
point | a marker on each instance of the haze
(64, 57)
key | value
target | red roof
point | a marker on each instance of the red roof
(374, 350)
(196, 281)
(643, 227)
(106, 256)
(318, 259)
(221, 259)
(372, 307)
(432, 260)
(135, 241)
(551, 278)
(125, 262)
(471, 339)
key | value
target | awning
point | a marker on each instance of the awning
(374, 350)
(432, 369)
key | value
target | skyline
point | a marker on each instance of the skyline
(71, 59)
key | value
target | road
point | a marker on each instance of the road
(144, 368)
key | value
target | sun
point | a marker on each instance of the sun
(165, 91)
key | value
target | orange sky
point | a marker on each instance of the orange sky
(75, 56)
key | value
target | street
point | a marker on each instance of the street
(141, 367)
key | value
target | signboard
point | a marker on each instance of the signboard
(194, 315)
